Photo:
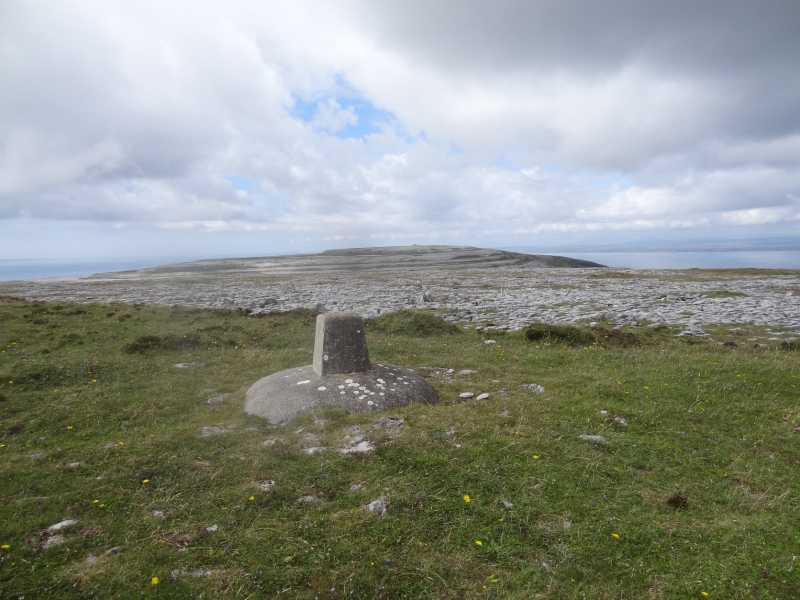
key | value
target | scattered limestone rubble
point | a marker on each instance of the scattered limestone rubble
(501, 297)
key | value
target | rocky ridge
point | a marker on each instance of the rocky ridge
(483, 288)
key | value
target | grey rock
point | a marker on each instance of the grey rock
(309, 440)
(483, 396)
(183, 365)
(534, 388)
(313, 450)
(466, 395)
(216, 400)
(176, 574)
(308, 500)
(378, 506)
(52, 541)
(62, 525)
(158, 514)
(266, 485)
(389, 422)
(212, 529)
(213, 430)
(362, 447)
(507, 504)
(597, 440)
(278, 398)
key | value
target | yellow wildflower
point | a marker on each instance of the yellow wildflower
(94, 380)
(705, 594)
(154, 580)
(536, 457)
(478, 543)
(70, 427)
(467, 499)
(95, 501)
(252, 498)
(145, 481)
(2, 445)
(5, 547)
(616, 536)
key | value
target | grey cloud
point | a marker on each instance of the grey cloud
(607, 115)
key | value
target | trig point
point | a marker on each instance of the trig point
(340, 376)
(340, 344)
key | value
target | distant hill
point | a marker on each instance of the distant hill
(366, 259)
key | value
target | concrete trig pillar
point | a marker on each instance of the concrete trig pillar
(340, 344)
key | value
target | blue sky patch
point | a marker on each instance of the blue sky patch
(369, 117)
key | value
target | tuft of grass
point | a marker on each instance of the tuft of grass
(163, 343)
(415, 323)
(570, 335)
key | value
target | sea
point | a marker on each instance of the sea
(38, 269)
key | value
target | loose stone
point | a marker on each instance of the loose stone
(597, 440)
(53, 540)
(62, 525)
(308, 500)
(378, 506)
(266, 485)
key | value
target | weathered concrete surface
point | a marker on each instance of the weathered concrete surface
(340, 344)
(284, 395)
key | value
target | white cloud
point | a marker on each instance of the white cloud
(506, 122)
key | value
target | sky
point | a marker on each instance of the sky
(249, 128)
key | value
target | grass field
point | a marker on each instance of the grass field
(695, 492)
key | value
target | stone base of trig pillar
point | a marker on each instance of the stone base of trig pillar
(340, 377)
(340, 344)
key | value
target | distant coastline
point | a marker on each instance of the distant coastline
(34, 269)
(711, 258)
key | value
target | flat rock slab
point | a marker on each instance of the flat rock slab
(284, 395)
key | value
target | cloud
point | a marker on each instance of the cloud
(401, 120)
